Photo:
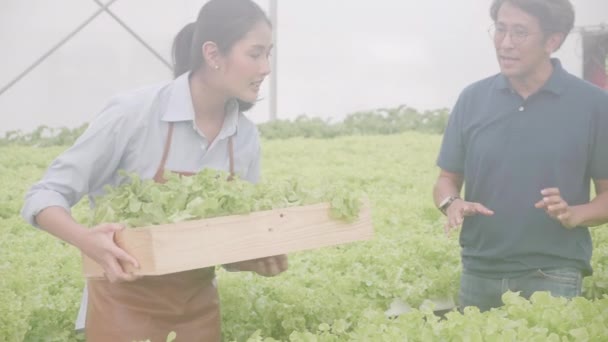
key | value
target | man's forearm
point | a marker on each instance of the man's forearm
(445, 187)
(593, 213)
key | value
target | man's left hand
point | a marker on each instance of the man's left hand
(557, 208)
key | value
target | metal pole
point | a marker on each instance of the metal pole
(56, 47)
(275, 52)
(136, 36)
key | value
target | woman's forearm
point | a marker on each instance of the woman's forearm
(58, 222)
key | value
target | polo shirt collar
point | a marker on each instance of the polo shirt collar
(555, 84)
(558, 80)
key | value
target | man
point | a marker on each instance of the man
(527, 143)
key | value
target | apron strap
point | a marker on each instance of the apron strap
(231, 158)
(158, 177)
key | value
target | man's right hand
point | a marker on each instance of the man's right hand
(98, 244)
(459, 209)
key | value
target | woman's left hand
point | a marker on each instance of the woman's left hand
(267, 267)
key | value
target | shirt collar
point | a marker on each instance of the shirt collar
(180, 107)
(555, 84)
(558, 80)
(231, 119)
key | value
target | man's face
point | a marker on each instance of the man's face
(521, 45)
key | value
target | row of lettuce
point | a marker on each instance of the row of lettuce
(380, 290)
(381, 121)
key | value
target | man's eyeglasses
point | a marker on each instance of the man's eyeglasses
(517, 35)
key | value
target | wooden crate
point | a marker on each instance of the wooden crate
(190, 245)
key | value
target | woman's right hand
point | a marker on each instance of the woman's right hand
(98, 244)
(267, 267)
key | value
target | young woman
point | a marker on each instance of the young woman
(188, 124)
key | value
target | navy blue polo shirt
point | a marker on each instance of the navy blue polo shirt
(508, 150)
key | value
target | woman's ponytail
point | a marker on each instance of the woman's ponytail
(182, 46)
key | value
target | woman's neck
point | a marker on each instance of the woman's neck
(208, 102)
(209, 105)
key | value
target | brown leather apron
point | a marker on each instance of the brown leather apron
(153, 306)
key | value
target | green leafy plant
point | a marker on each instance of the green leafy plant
(209, 194)
(341, 293)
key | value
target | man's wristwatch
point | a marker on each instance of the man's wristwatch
(443, 206)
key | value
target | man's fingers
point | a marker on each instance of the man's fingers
(472, 209)
(469, 209)
(540, 204)
(554, 205)
(457, 221)
(453, 223)
(549, 202)
(480, 209)
(550, 192)
(557, 208)
(446, 229)
(555, 199)
(456, 217)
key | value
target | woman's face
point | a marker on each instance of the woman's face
(247, 63)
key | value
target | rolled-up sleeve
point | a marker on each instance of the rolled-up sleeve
(599, 153)
(85, 166)
(453, 151)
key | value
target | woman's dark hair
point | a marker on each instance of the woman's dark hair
(223, 22)
(555, 16)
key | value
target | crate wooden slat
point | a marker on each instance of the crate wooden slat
(189, 245)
